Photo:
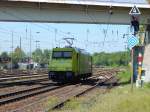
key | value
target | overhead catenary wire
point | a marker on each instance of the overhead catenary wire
(109, 18)
(48, 29)
(40, 26)
(32, 22)
(7, 32)
(16, 39)
(91, 17)
(94, 21)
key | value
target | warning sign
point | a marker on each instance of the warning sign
(132, 41)
(134, 11)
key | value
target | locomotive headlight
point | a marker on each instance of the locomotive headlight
(51, 74)
(69, 74)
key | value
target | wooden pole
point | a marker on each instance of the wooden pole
(132, 67)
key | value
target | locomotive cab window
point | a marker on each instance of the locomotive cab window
(62, 54)
(57, 54)
(67, 54)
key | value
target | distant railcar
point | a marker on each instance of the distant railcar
(67, 64)
(5, 59)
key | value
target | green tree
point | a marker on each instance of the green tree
(17, 55)
(37, 55)
(111, 59)
(46, 56)
(40, 56)
(4, 54)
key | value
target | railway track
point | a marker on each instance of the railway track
(64, 93)
(16, 96)
(22, 83)
(19, 75)
(16, 73)
(84, 91)
(26, 78)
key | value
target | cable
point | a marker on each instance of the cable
(44, 27)
(109, 18)
(40, 26)
(87, 14)
(66, 33)
(94, 21)
(33, 22)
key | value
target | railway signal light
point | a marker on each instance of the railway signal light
(135, 13)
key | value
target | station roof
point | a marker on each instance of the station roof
(118, 3)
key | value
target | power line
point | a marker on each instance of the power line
(11, 14)
(94, 20)
(12, 52)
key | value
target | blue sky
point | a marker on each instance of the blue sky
(108, 38)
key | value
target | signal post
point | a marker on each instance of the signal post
(136, 45)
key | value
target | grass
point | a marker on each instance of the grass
(51, 101)
(119, 99)
(124, 76)
(123, 100)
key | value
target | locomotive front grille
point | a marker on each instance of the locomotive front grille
(68, 75)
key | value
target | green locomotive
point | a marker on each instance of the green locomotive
(67, 64)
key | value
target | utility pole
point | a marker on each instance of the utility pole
(20, 42)
(56, 37)
(51, 41)
(132, 65)
(20, 48)
(26, 32)
(36, 44)
(134, 14)
(30, 51)
(37, 41)
(12, 50)
(87, 36)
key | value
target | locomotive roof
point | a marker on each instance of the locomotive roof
(81, 50)
(72, 48)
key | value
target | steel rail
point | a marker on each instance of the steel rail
(16, 96)
(99, 83)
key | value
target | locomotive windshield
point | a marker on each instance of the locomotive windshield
(67, 54)
(62, 54)
(57, 54)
